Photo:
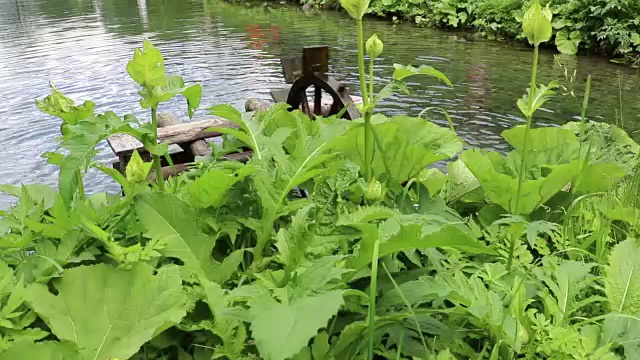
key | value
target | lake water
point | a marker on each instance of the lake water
(83, 46)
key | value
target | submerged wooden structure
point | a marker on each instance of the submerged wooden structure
(308, 75)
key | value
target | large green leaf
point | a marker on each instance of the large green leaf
(42, 351)
(80, 142)
(606, 143)
(39, 193)
(500, 182)
(355, 8)
(402, 72)
(623, 278)
(536, 24)
(280, 330)
(570, 279)
(529, 103)
(409, 232)
(327, 196)
(211, 188)
(174, 85)
(408, 146)
(147, 66)
(173, 222)
(568, 43)
(107, 312)
(57, 104)
(545, 146)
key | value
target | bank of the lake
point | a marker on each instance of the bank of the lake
(606, 27)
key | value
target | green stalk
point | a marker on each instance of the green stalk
(619, 99)
(363, 83)
(583, 114)
(156, 158)
(523, 162)
(81, 194)
(371, 80)
(373, 291)
(368, 136)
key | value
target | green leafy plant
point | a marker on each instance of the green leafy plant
(336, 240)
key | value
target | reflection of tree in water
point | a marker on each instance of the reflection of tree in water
(478, 85)
(59, 9)
(166, 18)
(263, 38)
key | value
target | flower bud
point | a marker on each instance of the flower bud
(374, 191)
(355, 8)
(374, 46)
(137, 170)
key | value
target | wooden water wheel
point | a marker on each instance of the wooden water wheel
(309, 79)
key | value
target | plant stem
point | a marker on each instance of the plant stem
(368, 136)
(371, 80)
(619, 99)
(81, 194)
(363, 83)
(523, 160)
(373, 291)
(583, 114)
(156, 158)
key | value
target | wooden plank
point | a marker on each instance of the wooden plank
(123, 144)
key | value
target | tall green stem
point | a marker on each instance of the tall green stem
(371, 80)
(156, 158)
(373, 292)
(363, 80)
(583, 114)
(368, 129)
(523, 161)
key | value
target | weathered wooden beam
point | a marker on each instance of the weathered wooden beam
(123, 144)
(195, 148)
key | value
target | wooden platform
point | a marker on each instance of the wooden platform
(123, 144)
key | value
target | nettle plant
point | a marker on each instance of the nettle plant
(335, 240)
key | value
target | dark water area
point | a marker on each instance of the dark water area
(83, 46)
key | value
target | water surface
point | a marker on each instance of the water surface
(83, 47)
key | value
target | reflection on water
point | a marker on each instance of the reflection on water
(83, 46)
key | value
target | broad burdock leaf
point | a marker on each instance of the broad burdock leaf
(536, 24)
(622, 280)
(408, 232)
(280, 330)
(408, 145)
(108, 312)
(50, 350)
(568, 43)
(499, 181)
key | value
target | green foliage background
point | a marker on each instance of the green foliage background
(610, 27)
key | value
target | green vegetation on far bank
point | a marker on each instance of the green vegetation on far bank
(609, 27)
